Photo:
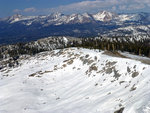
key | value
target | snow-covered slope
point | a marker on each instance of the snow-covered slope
(75, 81)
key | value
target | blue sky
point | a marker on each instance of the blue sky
(44, 7)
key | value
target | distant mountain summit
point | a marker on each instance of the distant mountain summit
(104, 16)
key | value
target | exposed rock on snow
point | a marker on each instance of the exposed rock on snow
(75, 81)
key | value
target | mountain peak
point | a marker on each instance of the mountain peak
(104, 16)
(86, 15)
(56, 15)
(15, 18)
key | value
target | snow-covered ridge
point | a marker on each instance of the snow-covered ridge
(75, 81)
(17, 18)
(135, 30)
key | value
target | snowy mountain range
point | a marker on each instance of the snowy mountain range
(26, 28)
(58, 18)
(76, 80)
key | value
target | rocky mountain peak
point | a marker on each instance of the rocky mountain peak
(15, 17)
(104, 16)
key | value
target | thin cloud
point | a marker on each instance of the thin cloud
(32, 9)
(92, 7)
(16, 11)
(85, 6)
(97, 5)
(26, 10)
(136, 6)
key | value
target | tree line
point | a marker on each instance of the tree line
(138, 47)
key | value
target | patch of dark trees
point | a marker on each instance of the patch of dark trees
(137, 47)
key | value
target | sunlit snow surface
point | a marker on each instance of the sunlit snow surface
(75, 81)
